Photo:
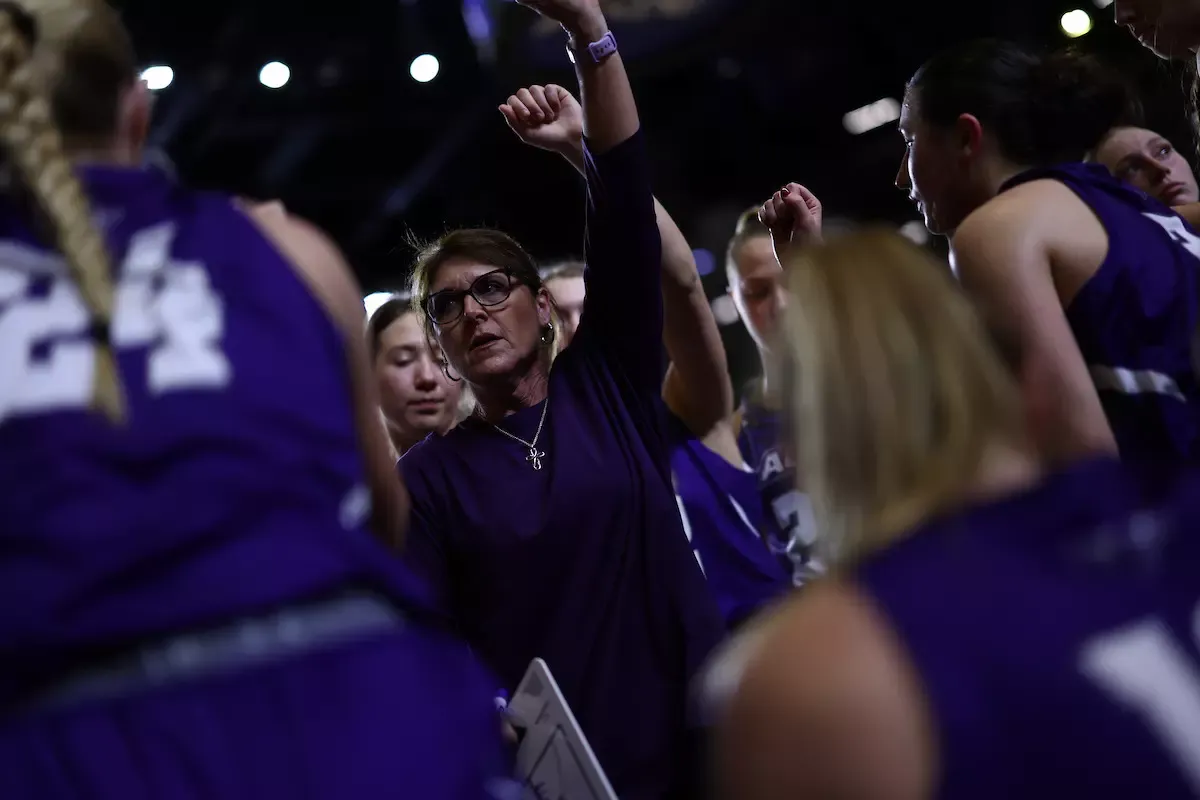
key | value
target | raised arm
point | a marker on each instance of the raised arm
(623, 313)
(698, 388)
(1003, 258)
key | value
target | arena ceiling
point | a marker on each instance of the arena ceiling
(738, 96)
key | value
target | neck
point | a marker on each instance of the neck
(401, 441)
(772, 381)
(103, 154)
(498, 402)
(996, 175)
(1006, 469)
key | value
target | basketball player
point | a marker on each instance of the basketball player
(415, 393)
(191, 602)
(756, 286)
(717, 494)
(1098, 281)
(566, 286)
(992, 631)
(1149, 162)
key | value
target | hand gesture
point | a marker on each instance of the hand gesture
(793, 215)
(546, 117)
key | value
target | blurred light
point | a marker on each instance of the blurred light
(724, 310)
(881, 112)
(915, 231)
(1102, 3)
(158, 78)
(373, 301)
(1075, 23)
(424, 68)
(706, 262)
(274, 75)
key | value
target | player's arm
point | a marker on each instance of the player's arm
(697, 388)
(326, 272)
(1003, 255)
(847, 719)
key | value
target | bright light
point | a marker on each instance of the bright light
(424, 68)
(1075, 23)
(274, 75)
(158, 78)
(881, 112)
(373, 301)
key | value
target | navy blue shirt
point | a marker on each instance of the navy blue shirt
(583, 563)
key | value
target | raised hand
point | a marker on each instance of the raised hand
(793, 215)
(546, 117)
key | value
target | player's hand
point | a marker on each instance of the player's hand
(546, 117)
(793, 215)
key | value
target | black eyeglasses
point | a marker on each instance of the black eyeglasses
(489, 289)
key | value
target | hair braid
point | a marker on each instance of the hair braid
(34, 147)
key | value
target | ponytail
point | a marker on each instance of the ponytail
(34, 148)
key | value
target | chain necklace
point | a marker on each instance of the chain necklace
(535, 456)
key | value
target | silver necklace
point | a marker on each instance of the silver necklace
(535, 456)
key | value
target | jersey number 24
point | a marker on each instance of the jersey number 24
(47, 360)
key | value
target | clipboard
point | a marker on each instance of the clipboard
(554, 759)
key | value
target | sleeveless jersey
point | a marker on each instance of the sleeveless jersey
(235, 483)
(790, 528)
(723, 518)
(1136, 318)
(1055, 636)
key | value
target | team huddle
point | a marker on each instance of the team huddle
(943, 548)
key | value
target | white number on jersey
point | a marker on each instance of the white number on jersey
(1143, 667)
(687, 531)
(166, 305)
(1178, 231)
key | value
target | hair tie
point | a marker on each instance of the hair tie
(24, 21)
(98, 332)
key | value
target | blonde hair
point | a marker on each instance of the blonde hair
(896, 388)
(63, 64)
(748, 227)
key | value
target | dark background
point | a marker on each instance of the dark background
(737, 97)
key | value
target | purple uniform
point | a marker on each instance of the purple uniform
(723, 518)
(1135, 320)
(131, 555)
(1055, 636)
(790, 530)
(583, 562)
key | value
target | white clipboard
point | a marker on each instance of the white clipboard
(554, 759)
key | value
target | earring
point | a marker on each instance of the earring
(547, 333)
(446, 372)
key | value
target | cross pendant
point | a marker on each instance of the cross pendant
(535, 456)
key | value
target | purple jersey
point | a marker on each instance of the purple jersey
(1055, 636)
(722, 515)
(1135, 319)
(235, 484)
(790, 530)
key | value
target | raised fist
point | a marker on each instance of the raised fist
(793, 215)
(546, 117)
